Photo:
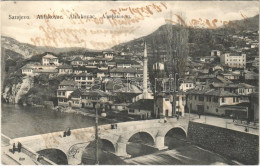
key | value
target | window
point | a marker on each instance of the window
(187, 85)
(190, 85)
(201, 98)
(166, 99)
(215, 99)
(195, 97)
(63, 93)
(223, 100)
(216, 110)
(83, 78)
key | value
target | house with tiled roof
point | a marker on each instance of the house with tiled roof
(84, 80)
(50, 59)
(125, 73)
(28, 69)
(65, 69)
(142, 108)
(125, 63)
(67, 83)
(97, 61)
(63, 95)
(77, 62)
(108, 54)
(209, 100)
(233, 60)
(79, 69)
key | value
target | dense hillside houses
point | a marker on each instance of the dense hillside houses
(219, 82)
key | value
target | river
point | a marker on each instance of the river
(21, 121)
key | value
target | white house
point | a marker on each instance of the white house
(186, 85)
(28, 69)
(49, 59)
(158, 66)
(108, 54)
(233, 60)
(215, 53)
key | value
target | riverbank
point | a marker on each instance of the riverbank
(20, 121)
(113, 115)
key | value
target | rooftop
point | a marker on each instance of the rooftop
(97, 93)
(65, 66)
(212, 92)
(49, 56)
(28, 66)
(83, 74)
(68, 82)
(126, 61)
(67, 89)
(124, 70)
(77, 59)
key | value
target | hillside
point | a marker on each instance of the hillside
(28, 50)
(201, 40)
(248, 24)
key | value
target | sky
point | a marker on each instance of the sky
(102, 33)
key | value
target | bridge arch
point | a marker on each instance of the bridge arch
(175, 137)
(56, 155)
(146, 135)
(178, 130)
(105, 148)
(140, 143)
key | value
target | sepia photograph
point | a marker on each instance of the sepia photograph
(130, 82)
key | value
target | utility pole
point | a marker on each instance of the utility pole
(174, 93)
(96, 136)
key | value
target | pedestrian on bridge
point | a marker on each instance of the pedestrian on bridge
(19, 147)
(13, 150)
(68, 132)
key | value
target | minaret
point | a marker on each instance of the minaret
(145, 92)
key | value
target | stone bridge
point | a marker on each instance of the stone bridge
(73, 146)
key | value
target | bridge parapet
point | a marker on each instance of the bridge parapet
(74, 145)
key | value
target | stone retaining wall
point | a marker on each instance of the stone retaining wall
(239, 146)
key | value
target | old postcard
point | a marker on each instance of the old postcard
(130, 82)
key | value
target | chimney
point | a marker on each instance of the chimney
(145, 92)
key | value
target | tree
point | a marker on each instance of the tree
(177, 51)
(177, 48)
